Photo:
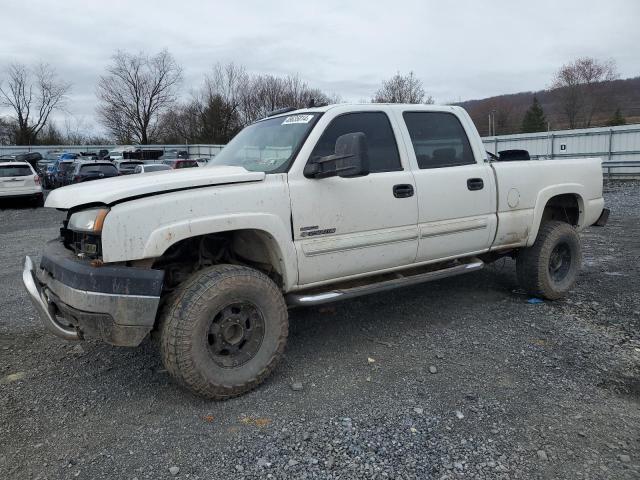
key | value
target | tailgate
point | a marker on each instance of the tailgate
(8, 183)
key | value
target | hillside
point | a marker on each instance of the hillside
(623, 94)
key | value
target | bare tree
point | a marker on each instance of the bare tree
(402, 89)
(267, 93)
(231, 99)
(32, 94)
(223, 99)
(136, 90)
(577, 87)
(6, 132)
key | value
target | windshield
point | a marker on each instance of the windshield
(267, 146)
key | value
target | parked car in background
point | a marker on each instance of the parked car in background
(88, 156)
(19, 179)
(43, 164)
(151, 167)
(85, 171)
(179, 163)
(31, 158)
(47, 176)
(59, 176)
(174, 153)
(126, 167)
(143, 154)
(202, 161)
(118, 153)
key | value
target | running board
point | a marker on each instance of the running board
(316, 297)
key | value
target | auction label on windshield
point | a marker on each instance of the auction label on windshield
(297, 119)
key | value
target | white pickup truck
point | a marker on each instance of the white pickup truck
(302, 207)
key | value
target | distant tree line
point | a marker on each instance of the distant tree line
(580, 95)
(229, 99)
(140, 101)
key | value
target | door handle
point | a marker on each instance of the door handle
(404, 190)
(475, 184)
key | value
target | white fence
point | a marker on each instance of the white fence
(195, 150)
(619, 147)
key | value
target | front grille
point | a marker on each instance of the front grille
(87, 244)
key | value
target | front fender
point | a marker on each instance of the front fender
(145, 228)
(163, 237)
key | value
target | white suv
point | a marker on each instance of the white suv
(19, 179)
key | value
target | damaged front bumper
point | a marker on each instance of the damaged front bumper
(76, 300)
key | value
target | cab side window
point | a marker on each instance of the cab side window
(381, 142)
(438, 139)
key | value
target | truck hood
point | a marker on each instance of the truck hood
(112, 190)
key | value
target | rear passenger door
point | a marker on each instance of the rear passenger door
(456, 196)
(356, 225)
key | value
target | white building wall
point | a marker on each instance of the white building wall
(619, 147)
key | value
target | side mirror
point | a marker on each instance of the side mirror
(350, 159)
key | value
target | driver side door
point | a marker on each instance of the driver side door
(350, 226)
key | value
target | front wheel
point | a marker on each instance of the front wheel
(224, 331)
(549, 268)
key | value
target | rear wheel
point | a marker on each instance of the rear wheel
(39, 201)
(224, 331)
(549, 268)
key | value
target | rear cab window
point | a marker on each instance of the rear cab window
(155, 168)
(15, 171)
(439, 139)
(100, 167)
(187, 164)
(381, 141)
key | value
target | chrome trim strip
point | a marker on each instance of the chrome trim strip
(357, 241)
(437, 229)
(448, 232)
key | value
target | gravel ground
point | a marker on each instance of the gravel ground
(456, 379)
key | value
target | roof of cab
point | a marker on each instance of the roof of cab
(14, 164)
(370, 106)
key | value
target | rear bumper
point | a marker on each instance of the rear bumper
(75, 300)
(30, 193)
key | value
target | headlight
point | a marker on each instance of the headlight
(88, 221)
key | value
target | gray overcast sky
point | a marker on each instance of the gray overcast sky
(460, 49)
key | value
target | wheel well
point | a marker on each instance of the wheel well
(563, 208)
(253, 248)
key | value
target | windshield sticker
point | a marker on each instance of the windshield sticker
(297, 119)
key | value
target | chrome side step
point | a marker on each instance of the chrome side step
(316, 297)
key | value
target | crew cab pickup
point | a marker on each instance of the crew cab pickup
(301, 208)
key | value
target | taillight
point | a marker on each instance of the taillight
(36, 179)
(76, 178)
